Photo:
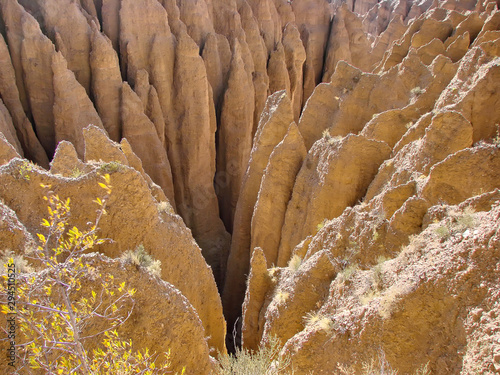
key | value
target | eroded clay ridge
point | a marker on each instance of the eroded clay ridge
(184, 82)
(336, 162)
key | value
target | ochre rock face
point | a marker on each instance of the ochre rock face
(191, 150)
(235, 136)
(166, 319)
(302, 144)
(259, 283)
(334, 175)
(274, 123)
(142, 136)
(66, 162)
(69, 28)
(275, 191)
(37, 52)
(106, 83)
(8, 130)
(313, 21)
(7, 151)
(30, 144)
(73, 109)
(163, 233)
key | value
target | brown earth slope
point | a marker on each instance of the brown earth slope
(335, 163)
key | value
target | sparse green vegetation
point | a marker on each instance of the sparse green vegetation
(140, 258)
(321, 225)
(376, 366)
(294, 263)
(496, 139)
(382, 258)
(331, 140)
(442, 231)
(281, 296)
(458, 221)
(24, 170)
(267, 360)
(320, 321)
(349, 271)
(20, 262)
(111, 167)
(465, 220)
(76, 172)
(165, 207)
(417, 91)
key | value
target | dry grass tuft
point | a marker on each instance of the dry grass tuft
(140, 258)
